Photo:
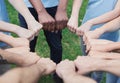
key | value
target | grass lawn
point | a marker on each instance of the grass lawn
(70, 42)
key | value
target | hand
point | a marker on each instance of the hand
(61, 19)
(83, 28)
(34, 26)
(47, 21)
(65, 68)
(93, 42)
(86, 64)
(29, 58)
(72, 24)
(48, 65)
(25, 57)
(25, 33)
(90, 35)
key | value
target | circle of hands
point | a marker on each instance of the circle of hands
(95, 48)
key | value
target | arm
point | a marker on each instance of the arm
(73, 21)
(105, 47)
(21, 32)
(104, 55)
(61, 15)
(34, 72)
(108, 27)
(99, 20)
(11, 57)
(107, 16)
(14, 42)
(66, 71)
(21, 75)
(112, 66)
(44, 18)
(21, 7)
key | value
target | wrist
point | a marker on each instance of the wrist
(115, 45)
(67, 77)
(101, 65)
(42, 11)
(99, 31)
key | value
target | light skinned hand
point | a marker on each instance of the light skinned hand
(93, 42)
(35, 27)
(83, 28)
(28, 58)
(25, 33)
(48, 65)
(86, 64)
(72, 24)
(90, 35)
(65, 68)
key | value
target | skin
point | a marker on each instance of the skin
(14, 42)
(61, 15)
(104, 55)
(21, 59)
(34, 72)
(73, 21)
(103, 46)
(111, 65)
(66, 71)
(97, 42)
(23, 10)
(99, 20)
(50, 23)
(21, 32)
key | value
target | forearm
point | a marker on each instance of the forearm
(115, 46)
(4, 26)
(11, 57)
(112, 66)
(106, 55)
(109, 27)
(37, 4)
(107, 16)
(22, 9)
(75, 9)
(33, 72)
(21, 75)
(7, 39)
(77, 79)
(62, 5)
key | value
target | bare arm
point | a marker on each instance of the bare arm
(11, 57)
(109, 27)
(21, 7)
(43, 17)
(34, 72)
(99, 20)
(21, 32)
(73, 21)
(112, 66)
(104, 55)
(61, 15)
(66, 71)
(107, 16)
(14, 42)
(21, 75)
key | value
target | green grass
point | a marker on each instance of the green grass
(70, 42)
